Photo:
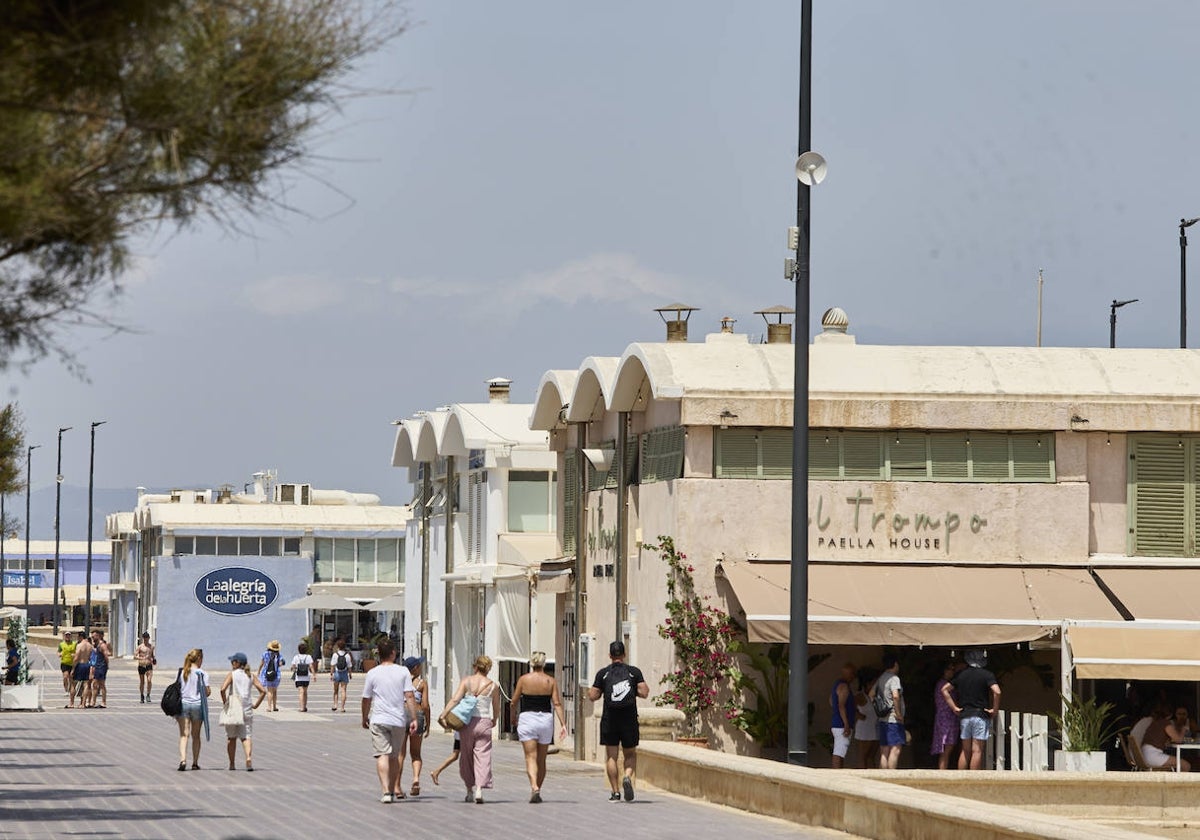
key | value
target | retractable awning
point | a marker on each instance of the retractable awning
(1127, 651)
(1156, 594)
(907, 604)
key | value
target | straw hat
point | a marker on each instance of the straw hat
(274, 645)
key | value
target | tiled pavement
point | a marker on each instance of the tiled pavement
(111, 773)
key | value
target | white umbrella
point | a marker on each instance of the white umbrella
(322, 601)
(391, 603)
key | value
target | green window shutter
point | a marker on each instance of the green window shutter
(599, 480)
(948, 453)
(570, 485)
(1032, 456)
(737, 453)
(989, 456)
(908, 455)
(662, 454)
(672, 453)
(862, 455)
(824, 460)
(776, 446)
(631, 460)
(1160, 485)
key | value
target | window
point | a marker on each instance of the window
(206, 546)
(322, 560)
(662, 454)
(249, 546)
(227, 546)
(365, 568)
(389, 560)
(343, 560)
(476, 484)
(291, 546)
(1162, 495)
(346, 560)
(888, 456)
(271, 546)
(185, 545)
(531, 501)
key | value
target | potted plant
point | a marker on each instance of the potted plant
(25, 695)
(759, 705)
(1086, 731)
(701, 635)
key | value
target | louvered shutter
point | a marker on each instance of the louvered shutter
(1032, 457)
(1160, 491)
(948, 456)
(776, 447)
(908, 456)
(570, 494)
(824, 459)
(989, 456)
(737, 453)
(598, 480)
(862, 455)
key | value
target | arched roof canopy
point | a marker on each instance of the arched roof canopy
(454, 438)
(553, 394)
(404, 449)
(591, 395)
(429, 440)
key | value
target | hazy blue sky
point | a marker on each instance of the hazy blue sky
(558, 169)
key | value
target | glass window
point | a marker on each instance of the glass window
(271, 546)
(529, 502)
(343, 560)
(366, 561)
(227, 546)
(323, 560)
(248, 546)
(206, 546)
(387, 561)
(184, 545)
(291, 546)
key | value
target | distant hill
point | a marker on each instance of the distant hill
(74, 511)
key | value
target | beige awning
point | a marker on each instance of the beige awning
(900, 604)
(1126, 651)
(1156, 594)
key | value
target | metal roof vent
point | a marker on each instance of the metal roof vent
(777, 331)
(498, 389)
(677, 326)
(834, 324)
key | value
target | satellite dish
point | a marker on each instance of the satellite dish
(810, 169)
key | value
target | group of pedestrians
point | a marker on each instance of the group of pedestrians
(966, 699)
(84, 665)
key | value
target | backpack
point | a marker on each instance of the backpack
(301, 669)
(272, 672)
(342, 662)
(172, 699)
(619, 690)
(882, 701)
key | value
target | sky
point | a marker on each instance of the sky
(541, 175)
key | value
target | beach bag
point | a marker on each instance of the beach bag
(232, 713)
(172, 699)
(458, 717)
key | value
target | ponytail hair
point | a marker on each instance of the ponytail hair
(193, 659)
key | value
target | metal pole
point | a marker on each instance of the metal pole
(87, 595)
(1112, 325)
(1039, 325)
(3, 540)
(798, 626)
(447, 586)
(58, 480)
(1183, 283)
(581, 488)
(28, 478)
(622, 523)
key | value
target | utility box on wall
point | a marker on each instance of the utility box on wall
(587, 664)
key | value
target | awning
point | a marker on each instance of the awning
(553, 583)
(390, 603)
(1156, 594)
(323, 601)
(907, 604)
(1126, 651)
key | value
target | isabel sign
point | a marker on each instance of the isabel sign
(236, 591)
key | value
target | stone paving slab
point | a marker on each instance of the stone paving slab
(111, 773)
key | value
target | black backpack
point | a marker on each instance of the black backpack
(172, 699)
(342, 662)
(882, 700)
(619, 689)
(272, 672)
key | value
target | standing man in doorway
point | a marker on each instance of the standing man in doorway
(620, 685)
(978, 701)
(888, 697)
(841, 699)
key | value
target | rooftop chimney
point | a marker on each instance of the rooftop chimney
(677, 325)
(777, 331)
(727, 324)
(498, 389)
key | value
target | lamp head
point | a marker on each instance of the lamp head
(1187, 223)
(1117, 304)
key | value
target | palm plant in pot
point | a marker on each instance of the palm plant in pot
(1087, 728)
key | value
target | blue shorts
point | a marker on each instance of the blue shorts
(341, 676)
(975, 728)
(192, 711)
(891, 734)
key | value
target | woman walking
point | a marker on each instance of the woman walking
(269, 673)
(303, 667)
(341, 663)
(535, 703)
(194, 691)
(236, 689)
(475, 762)
(415, 739)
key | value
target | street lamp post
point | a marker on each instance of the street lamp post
(58, 482)
(3, 540)
(28, 478)
(87, 595)
(1112, 319)
(1184, 224)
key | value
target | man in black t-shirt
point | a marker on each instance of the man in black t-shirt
(975, 699)
(620, 685)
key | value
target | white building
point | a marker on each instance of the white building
(484, 520)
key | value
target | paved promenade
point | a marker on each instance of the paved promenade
(111, 772)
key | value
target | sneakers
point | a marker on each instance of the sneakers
(614, 797)
(627, 786)
(535, 797)
(386, 799)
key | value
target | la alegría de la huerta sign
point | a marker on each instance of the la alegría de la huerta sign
(235, 590)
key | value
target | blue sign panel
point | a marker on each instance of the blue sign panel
(235, 590)
(18, 579)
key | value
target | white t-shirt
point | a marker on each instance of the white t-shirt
(303, 659)
(191, 690)
(1138, 732)
(385, 687)
(240, 688)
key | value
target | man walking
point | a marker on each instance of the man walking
(841, 699)
(888, 698)
(389, 711)
(144, 655)
(620, 685)
(978, 700)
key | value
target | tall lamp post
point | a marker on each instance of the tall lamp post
(1184, 224)
(28, 478)
(1112, 319)
(58, 482)
(3, 539)
(810, 170)
(87, 595)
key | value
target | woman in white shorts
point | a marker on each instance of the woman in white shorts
(535, 702)
(236, 689)
(1161, 733)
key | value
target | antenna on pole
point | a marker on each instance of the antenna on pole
(1039, 321)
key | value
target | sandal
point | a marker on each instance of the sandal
(183, 765)
(195, 766)
(415, 790)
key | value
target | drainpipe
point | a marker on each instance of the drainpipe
(426, 496)
(622, 520)
(581, 484)
(451, 497)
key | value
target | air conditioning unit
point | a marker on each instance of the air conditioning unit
(293, 494)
